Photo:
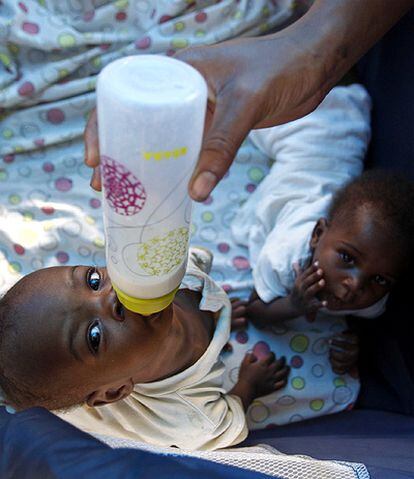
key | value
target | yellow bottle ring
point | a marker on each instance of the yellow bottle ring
(145, 307)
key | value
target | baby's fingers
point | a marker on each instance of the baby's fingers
(313, 290)
(238, 308)
(312, 278)
(282, 374)
(239, 323)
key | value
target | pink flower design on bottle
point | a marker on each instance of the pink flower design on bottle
(124, 192)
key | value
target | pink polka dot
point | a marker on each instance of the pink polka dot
(48, 167)
(105, 46)
(261, 350)
(201, 17)
(208, 200)
(63, 184)
(31, 28)
(170, 52)
(23, 7)
(296, 362)
(26, 89)
(55, 116)
(88, 16)
(19, 249)
(227, 288)
(226, 175)
(39, 142)
(8, 158)
(48, 210)
(95, 203)
(241, 263)
(250, 187)
(350, 407)
(242, 337)
(121, 16)
(62, 257)
(164, 18)
(223, 247)
(143, 43)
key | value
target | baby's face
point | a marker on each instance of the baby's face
(72, 329)
(360, 262)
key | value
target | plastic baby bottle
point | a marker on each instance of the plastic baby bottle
(151, 113)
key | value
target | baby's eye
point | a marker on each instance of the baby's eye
(93, 279)
(346, 258)
(381, 280)
(94, 336)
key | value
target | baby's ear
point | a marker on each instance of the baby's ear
(319, 229)
(110, 393)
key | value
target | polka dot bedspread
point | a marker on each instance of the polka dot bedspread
(50, 54)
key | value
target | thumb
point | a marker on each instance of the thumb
(230, 125)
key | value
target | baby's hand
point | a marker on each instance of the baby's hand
(308, 284)
(264, 375)
(343, 352)
(238, 314)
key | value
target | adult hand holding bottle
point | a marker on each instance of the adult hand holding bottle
(270, 80)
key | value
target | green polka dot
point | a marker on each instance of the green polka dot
(238, 14)
(66, 40)
(265, 11)
(200, 33)
(316, 404)
(121, 4)
(28, 215)
(13, 48)
(7, 133)
(299, 343)
(91, 86)
(298, 382)
(14, 199)
(96, 62)
(15, 267)
(18, 149)
(179, 26)
(3, 175)
(179, 43)
(264, 27)
(42, 2)
(207, 216)
(5, 59)
(255, 174)
(193, 229)
(63, 72)
(99, 242)
(338, 382)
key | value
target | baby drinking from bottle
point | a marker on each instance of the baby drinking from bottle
(125, 337)
(65, 340)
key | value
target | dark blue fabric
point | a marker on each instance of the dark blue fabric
(35, 444)
(387, 349)
(383, 441)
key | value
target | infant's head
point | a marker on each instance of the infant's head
(366, 241)
(65, 339)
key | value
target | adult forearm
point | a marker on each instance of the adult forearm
(337, 33)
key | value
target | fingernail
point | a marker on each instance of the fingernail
(319, 271)
(203, 185)
(316, 263)
(321, 282)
